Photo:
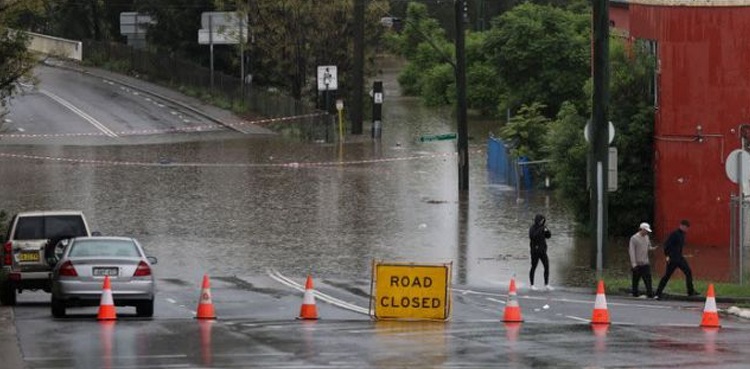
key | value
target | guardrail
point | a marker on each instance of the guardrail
(56, 46)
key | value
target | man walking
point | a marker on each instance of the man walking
(673, 252)
(640, 245)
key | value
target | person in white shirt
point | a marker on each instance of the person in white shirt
(640, 245)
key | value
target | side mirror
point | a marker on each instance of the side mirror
(96, 233)
(152, 259)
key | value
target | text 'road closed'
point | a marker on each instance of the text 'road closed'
(411, 291)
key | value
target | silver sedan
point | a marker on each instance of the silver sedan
(78, 276)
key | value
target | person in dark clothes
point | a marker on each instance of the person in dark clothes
(538, 235)
(640, 245)
(673, 251)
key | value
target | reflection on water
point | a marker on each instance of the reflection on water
(226, 204)
(425, 341)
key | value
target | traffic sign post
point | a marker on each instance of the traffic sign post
(377, 109)
(737, 167)
(223, 28)
(327, 81)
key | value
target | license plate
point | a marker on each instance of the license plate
(101, 272)
(28, 256)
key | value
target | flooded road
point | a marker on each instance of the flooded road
(224, 203)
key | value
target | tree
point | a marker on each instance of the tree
(542, 54)
(632, 114)
(526, 131)
(78, 19)
(16, 62)
(291, 38)
(176, 28)
(566, 148)
(430, 72)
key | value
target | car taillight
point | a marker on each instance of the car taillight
(68, 270)
(8, 253)
(142, 270)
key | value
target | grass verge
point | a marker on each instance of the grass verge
(676, 286)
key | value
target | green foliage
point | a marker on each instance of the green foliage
(426, 57)
(16, 61)
(82, 20)
(430, 72)
(567, 149)
(542, 54)
(418, 28)
(438, 87)
(525, 131)
(482, 90)
(632, 113)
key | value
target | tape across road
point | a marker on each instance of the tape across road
(224, 165)
(144, 132)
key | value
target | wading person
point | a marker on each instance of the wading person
(538, 235)
(673, 251)
(640, 245)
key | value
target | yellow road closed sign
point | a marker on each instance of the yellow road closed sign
(411, 291)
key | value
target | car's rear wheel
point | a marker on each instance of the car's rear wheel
(145, 309)
(7, 294)
(58, 308)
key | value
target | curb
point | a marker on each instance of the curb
(700, 298)
(10, 351)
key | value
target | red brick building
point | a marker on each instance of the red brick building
(702, 98)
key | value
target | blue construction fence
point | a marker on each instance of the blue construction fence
(503, 168)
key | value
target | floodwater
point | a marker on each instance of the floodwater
(228, 204)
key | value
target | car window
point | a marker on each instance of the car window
(107, 248)
(30, 228)
(64, 226)
(47, 227)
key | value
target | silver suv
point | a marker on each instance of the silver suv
(28, 255)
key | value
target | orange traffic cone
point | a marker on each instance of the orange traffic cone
(600, 314)
(710, 314)
(107, 303)
(308, 311)
(205, 305)
(512, 309)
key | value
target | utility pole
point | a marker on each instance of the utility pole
(599, 154)
(463, 140)
(358, 80)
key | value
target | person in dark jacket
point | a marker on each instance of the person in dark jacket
(673, 251)
(538, 235)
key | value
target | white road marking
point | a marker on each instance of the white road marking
(80, 113)
(171, 301)
(578, 319)
(323, 297)
(496, 300)
(574, 301)
(165, 356)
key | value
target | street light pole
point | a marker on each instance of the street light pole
(463, 140)
(599, 165)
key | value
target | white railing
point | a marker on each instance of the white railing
(56, 46)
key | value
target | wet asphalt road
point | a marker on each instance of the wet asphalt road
(257, 328)
(235, 207)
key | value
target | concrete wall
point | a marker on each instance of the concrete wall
(56, 46)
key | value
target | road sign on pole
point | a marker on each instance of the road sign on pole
(327, 78)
